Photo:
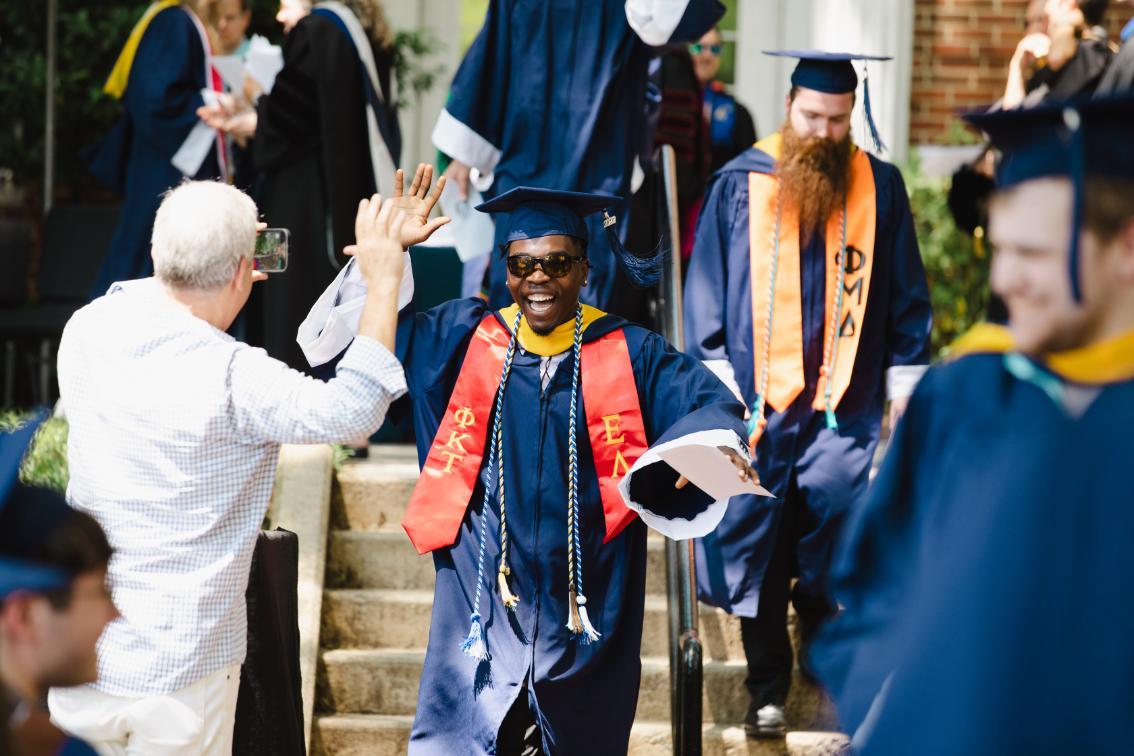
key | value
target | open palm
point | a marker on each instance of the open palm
(417, 204)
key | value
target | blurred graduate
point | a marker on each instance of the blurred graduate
(158, 141)
(54, 604)
(545, 433)
(807, 295)
(553, 94)
(984, 585)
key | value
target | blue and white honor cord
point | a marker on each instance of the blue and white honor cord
(577, 620)
(474, 644)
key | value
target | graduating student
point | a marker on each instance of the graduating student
(806, 293)
(552, 94)
(158, 141)
(54, 604)
(544, 430)
(982, 586)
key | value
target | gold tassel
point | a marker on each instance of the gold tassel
(510, 599)
(574, 622)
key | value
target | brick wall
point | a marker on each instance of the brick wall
(961, 53)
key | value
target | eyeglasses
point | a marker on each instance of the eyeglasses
(555, 265)
(696, 48)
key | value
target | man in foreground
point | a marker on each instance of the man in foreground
(807, 295)
(175, 430)
(980, 585)
(545, 433)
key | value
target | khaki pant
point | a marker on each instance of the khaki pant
(194, 721)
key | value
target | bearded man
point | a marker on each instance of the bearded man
(806, 295)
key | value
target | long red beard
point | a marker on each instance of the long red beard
(814, 174)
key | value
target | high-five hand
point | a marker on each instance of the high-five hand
(378, 248)
(416, 204)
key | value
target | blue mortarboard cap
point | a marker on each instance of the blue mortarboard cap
(1073, 139)
(17, 573)
(833, 73)
(534, 213)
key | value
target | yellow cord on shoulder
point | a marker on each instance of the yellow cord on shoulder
(983, 338)
(119, 76)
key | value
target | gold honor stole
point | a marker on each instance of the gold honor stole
(785, 357)
(116, 83)
(614, 424)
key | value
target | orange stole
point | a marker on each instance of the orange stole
(614, 421)
(785, 358)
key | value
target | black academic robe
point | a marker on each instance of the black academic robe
(986, 581)
(313, 152)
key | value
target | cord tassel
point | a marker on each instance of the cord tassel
(474, 644)
(589, 634)
(574, 621)
(510, 599)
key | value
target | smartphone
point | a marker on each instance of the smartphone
(271, 250)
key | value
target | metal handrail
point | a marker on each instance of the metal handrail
(685, 650)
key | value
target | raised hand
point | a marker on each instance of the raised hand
(416, 204)
(378, 228)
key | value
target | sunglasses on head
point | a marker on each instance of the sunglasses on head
(555, 265)
(697, 48)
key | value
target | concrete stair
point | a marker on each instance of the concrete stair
(376, 607)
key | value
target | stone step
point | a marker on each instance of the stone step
(385, 681)
(372, 493)
(386, 559)
(383, 735)
(384, 618)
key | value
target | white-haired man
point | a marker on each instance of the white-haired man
(175, 430)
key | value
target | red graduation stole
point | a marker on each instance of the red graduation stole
(614, 424)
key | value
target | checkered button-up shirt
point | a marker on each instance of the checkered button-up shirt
(175, 431)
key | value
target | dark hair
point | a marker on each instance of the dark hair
(38, 525)
(1108, 206)
(1093, 10)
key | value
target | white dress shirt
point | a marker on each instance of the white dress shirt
(175, 430)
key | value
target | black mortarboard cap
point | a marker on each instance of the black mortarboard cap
(17, 572)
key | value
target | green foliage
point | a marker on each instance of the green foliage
(46, 462)
(414, 73)
(957, 268)
(88, 40)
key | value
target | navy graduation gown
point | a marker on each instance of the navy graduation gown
(160, 109)
(557, 89)
(830, 468)
(988, 575)
(585, 695)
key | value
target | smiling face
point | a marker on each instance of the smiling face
(547, 302)
(1029, 227)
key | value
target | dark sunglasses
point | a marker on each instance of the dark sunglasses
(555, 265)
(697, 47)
